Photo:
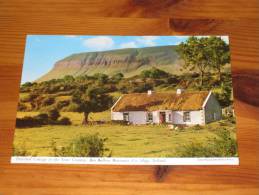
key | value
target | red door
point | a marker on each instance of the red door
(162, 117)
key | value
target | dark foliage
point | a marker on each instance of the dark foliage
(87, 146)
(223, 145)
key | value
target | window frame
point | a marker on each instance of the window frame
(187, 116)
(148, 117)
(125, 116)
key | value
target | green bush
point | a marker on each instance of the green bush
(223, 145)
(42, 119)
(48, 101)
(64, 121)
(53, 114)
(22, 107)
(72, 107)
(62, 104)
(87, 146)
(27, 121)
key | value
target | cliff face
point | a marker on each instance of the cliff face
(127, 61)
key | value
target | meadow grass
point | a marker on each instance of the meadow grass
(124, 141)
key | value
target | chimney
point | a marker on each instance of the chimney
(149, 92)
(179, 91)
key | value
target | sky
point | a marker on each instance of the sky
(42, 51)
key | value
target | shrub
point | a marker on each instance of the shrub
(142, 88)
(62, 104)
(224, 145)
(27, 121)
(21, 107)
(43, 118)
(53, 114)
(87, 146)
(64, 121)
(224, 97)
(153, 73)
(48, 101)
(72, 107)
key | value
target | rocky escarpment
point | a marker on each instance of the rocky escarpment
(127, 61)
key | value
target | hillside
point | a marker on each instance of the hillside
(129, 61)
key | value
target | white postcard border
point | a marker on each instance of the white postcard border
(125, 161)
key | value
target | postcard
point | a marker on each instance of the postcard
(126, 100)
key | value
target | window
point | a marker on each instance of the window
(169, 117)
(186, 117)
(125, 116)
(149, 117)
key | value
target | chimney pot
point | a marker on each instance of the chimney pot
(149, 92)
(179, 91)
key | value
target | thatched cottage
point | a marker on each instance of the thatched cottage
(181, 108)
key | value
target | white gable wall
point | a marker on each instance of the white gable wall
(212, 109)
(117, 116)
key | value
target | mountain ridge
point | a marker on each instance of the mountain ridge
(129, 61)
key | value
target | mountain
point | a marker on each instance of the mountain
(129, 61)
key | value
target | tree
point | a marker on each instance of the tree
(219, 54)
(195, 53)
(68, 78)
(91, 100)
(154, 73)
(53, 114)
(102, 78)
(117, 77)
(224, 97)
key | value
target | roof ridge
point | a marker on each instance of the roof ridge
(203, 91)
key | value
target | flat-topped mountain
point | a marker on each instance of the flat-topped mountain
(129, 61)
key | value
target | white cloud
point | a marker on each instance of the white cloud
(147, 40)
(70, 36)
(131, 44)
(99, 43)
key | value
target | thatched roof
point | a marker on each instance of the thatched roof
(161, 101)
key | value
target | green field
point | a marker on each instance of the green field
(124, 141)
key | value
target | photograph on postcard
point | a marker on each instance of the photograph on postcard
(136, 98)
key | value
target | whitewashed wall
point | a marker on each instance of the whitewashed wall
(135, 117)
(117, 116)
(156, 116)
(138, 117)
(197, 117)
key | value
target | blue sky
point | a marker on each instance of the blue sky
(42, 51)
